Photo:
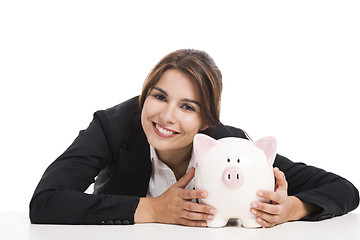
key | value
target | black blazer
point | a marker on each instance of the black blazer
(114, 153)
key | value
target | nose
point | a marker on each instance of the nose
(233, 176)
(168, 114)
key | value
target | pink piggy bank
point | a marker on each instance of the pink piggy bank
(232, 170)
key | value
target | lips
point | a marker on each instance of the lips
(163, 132)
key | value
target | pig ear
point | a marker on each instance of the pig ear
(268, 145)
(202, 144)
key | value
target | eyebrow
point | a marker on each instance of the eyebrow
(183, 99)
(161, 90)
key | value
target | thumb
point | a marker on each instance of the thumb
(281, 183)
(184, 180)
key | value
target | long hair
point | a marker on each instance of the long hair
(201, 68)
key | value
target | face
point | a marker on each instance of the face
(171, 114)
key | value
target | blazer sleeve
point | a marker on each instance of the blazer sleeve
(332, 194)
(59, 197)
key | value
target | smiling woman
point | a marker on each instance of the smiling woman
(199, 68)
(171, 117)
(171, 114)
(141, 154)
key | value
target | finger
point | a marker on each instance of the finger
(192, 194)
(264, 223)
(268, 218)
(260, 207)
(197, 216)
(281, 182)
(265, 219)
(192, 223)
(184, 180)
(275, 197)
(200, 208)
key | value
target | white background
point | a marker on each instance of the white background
(290, 69)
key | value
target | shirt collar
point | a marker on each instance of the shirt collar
(159, 164)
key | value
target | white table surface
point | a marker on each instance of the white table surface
(16, 225)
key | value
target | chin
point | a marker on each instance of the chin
(161, 145)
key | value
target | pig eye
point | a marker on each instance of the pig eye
(228, 160)
(238, 160)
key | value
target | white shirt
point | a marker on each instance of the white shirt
(162, 177)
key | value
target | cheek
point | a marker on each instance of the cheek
(145, 113)
(149, 109)
(191, 124)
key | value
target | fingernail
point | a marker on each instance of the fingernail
(203, 224)
(210, 216)
(253, 212)
(203, 194)
(254, 205)
(259, 220)
(260, 194)
(211, 211)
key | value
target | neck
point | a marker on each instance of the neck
(177, 160)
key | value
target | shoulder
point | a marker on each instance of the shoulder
(118, 121)
(121, 112)
(222, 131)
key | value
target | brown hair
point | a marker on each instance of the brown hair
(201, 68)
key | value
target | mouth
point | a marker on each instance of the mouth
(162, 131)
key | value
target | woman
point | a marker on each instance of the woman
(140, 153)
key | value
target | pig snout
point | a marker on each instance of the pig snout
(233, 176)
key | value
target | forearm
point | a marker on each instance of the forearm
(299, 209)
(145, 212)
(70, 207)
(331, 194)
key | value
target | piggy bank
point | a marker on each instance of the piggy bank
(232, 170)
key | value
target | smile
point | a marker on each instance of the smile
(163, 132)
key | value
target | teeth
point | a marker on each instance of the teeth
(164, 131)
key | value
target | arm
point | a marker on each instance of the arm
(330, 193)
(313, 195)
(59, 196)
(280, 207)
(175, 206)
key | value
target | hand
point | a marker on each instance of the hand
(279, 208)
(175, 206)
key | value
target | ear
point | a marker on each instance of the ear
(268, 145)
(202, 144)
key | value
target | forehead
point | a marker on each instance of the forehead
(176, 83)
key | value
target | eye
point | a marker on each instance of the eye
(238, 160)
(160, 97)
(228, 160)
(188, 107)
